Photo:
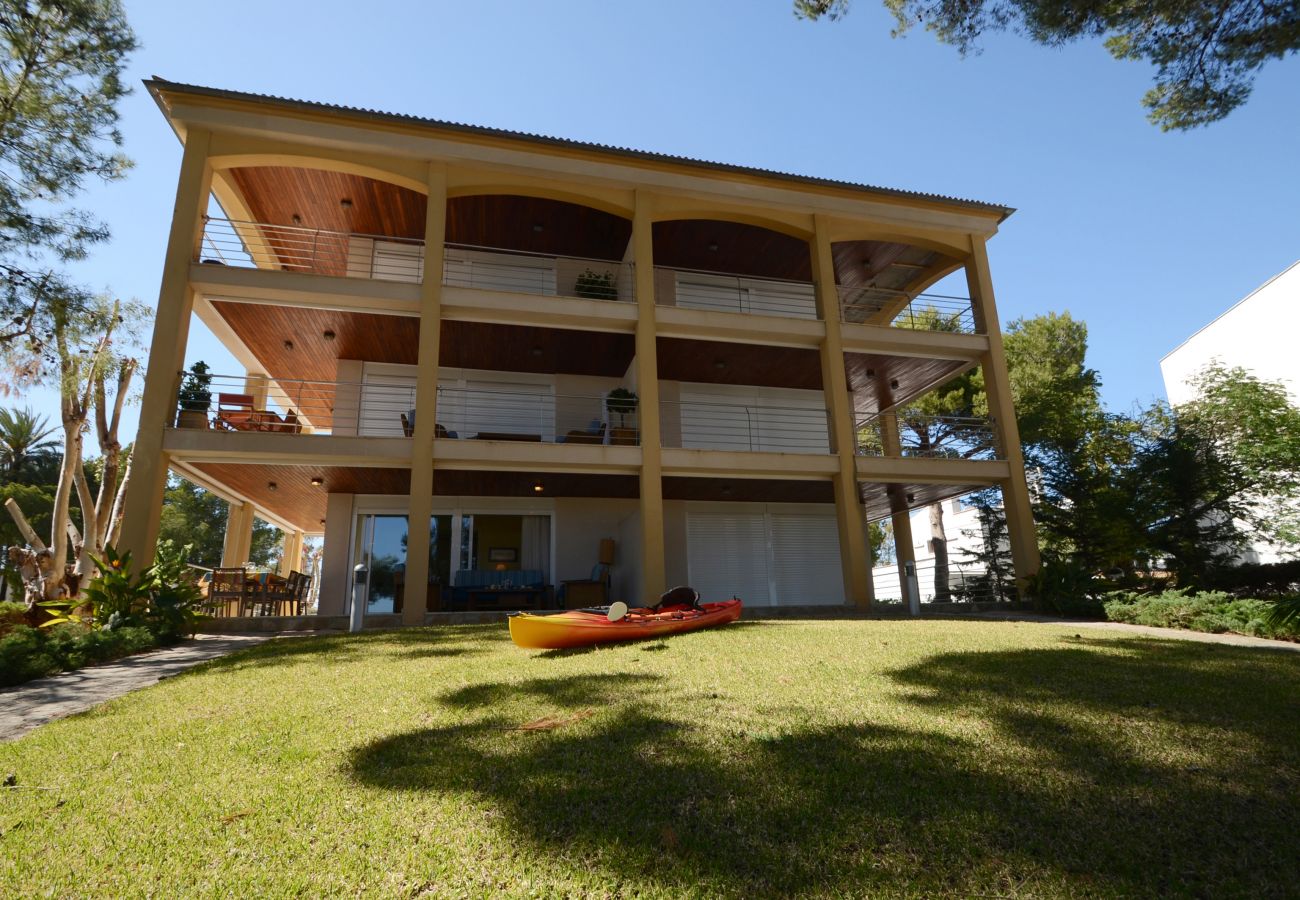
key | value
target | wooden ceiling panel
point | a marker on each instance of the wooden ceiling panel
(296, 500)
(751, 490)
(720, 362)
(872, 378)
(543, 351)
(275, 194)
(396, 339)
(537, 225)
(881, 499)
(732, 247)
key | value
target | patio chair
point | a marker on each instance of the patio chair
(299, 598)
(227, 588)
(235, 412)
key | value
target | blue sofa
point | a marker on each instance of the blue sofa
(521, 588)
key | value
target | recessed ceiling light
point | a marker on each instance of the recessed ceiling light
(288, 345)
(537, 227)
(317, 481)
(893, 383)
(713, 247)
(537, 487)
(345, 203)
(329, 335)
(719, 364)
(911, 498)
(272, 486)
(536, 351)
(297, 219)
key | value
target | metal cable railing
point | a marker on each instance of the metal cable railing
(930, 437)
(966, 583)
(868, 305)
(294, 248)
(387, 408)
(725, 292)
(714, 425)
(522, 272)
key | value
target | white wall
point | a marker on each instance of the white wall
(1258, 333)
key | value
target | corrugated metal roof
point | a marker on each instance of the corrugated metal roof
(157, 85)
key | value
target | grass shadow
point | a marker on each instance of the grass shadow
(1067, 801)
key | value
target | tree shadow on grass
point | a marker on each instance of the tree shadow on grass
(1061, 803)
(409, 643)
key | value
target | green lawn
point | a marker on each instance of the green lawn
(820, 757)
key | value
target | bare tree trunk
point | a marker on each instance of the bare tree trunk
(119, 504)
(939, 540)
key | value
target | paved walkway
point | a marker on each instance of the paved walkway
(29, 705)
(1180, 634)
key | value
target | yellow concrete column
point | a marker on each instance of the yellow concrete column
(855, 551)
(239, 535)
(900, 512)
(653, 568)
(166, 352)
(291, 558)
(420, 506)
(1015, 490)
(257, 386)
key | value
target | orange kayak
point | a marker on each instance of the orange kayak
(583, 628)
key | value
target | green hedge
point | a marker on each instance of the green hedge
(27, 653)
(1211, 611)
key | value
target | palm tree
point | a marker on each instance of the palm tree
(23, 435)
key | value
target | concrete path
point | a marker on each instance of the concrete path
(29, 705)
(1180, 634)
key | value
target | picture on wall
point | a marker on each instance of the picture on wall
(503, 554)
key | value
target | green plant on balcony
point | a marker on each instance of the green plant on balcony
(622, 403)
(195, 397)
(594, 286)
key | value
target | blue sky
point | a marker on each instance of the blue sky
(1144, 235)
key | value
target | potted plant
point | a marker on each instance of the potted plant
(593, 286)
(622, 402)
(195, 397)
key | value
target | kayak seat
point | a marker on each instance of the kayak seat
(679, 596)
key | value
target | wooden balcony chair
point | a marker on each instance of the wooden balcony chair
(299, 598)
(235, 412)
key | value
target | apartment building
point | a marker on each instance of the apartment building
(513, 349)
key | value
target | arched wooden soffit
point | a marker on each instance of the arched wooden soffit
(877, 277)
(546, 223)
(323, 195)
(733, 247)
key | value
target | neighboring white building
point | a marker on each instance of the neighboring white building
(1258, 334)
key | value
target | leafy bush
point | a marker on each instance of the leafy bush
(11, 615)
(1212, 611)
(1068, 588)
(118, 613)
(595, 286)
(27, 653)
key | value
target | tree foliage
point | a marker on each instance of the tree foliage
(1206, 52)
(197, 518)
(61, 64)
(24, 441)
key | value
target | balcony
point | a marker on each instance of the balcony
(386, 407)
(721, 292)
(291, 248)
(890, 308)
(498, 269)
(258, 245)
(931, 437)
(750, 427)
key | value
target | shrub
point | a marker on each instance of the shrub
(1068, 588)
(595, 286)
(11, 615)
(27, 653)
(1212, 611)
